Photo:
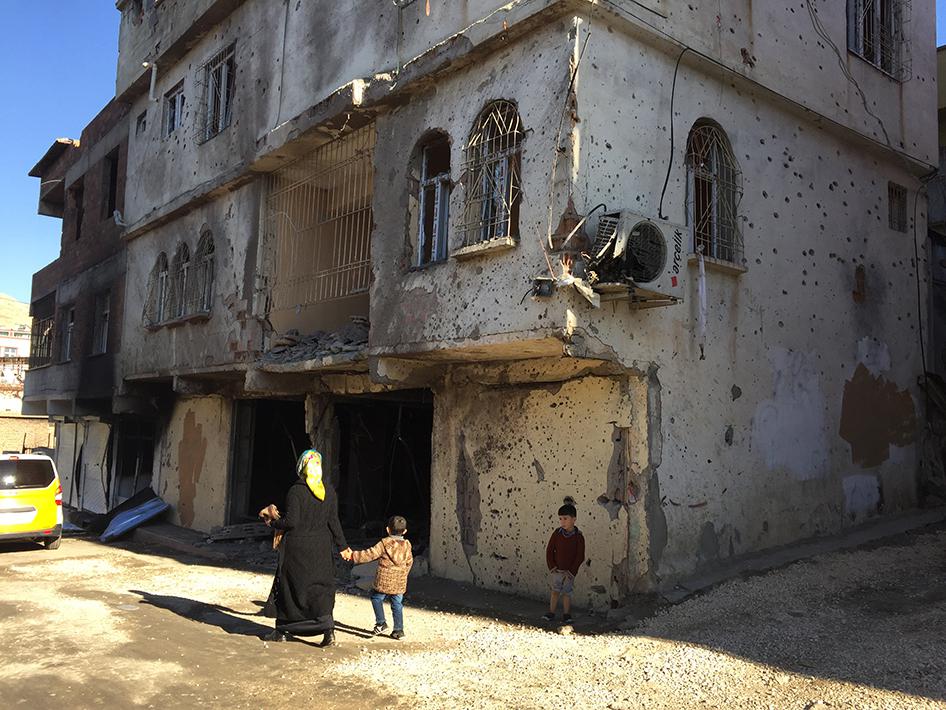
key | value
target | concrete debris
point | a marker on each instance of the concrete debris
(291, 346)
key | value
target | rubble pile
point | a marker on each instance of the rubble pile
(293, 347)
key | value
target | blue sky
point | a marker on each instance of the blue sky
(58, 70)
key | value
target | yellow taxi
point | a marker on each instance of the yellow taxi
(30, 499)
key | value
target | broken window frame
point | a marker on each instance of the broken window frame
(714, 191)
(179, 274)
(897, 207)
(202, 282)
(876, 33)
(100, 328)
(219, 76)
(433, 190)
(110, 185)
(492, 175)
(173, 110)
(68, 326)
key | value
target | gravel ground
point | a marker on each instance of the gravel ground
(91, 625)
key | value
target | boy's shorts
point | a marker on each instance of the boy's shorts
(561, 582)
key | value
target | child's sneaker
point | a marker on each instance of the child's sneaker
(379, 629)
(566, 618)
(397, 634)
(548, 616)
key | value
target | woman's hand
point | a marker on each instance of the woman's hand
(346, 554)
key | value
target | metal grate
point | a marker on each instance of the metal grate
(317, 225)
(646, 252)
(876, 32)
(714, 189)
(180, 273)
(200, 286)
(41, 341)
(491, 175)
(897, 206)
(218, 78)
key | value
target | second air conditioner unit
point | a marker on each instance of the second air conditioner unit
(641, 257)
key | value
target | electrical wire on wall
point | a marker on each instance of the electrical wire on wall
(673, 93)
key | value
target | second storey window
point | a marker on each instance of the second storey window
(434, 201)
(110, 179)
(180, 274)
(68, 323)
(219, 80)
(875, 32)
(492, 175)
(714, 189)
(100, 331)
(173, 109)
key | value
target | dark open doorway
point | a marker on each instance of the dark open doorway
(269, 435)
(384, 463)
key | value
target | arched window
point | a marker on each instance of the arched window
(492, 174)
(714, 189)
(156, 307)
(430, 199)
(201, 285)
(180, 273)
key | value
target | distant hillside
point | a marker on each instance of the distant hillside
(12, 312)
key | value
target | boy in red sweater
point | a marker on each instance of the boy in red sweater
(564, 555)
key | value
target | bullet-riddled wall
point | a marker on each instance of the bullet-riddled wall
(193, 461)
(505, 457)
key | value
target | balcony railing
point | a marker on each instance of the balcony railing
(41, 342)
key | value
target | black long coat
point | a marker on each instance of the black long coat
(305, 580)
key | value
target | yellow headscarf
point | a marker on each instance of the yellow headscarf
(310, 468)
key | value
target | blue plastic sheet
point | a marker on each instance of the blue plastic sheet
(130, 519)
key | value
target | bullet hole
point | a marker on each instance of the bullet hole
(860, 288)
(728, 436)
(736, 392)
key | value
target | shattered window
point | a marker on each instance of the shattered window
(200, 297)
(714, 189)
(492, 175)
(180, 269)
(219, 78)
(434, 202)
(173, 109)
(100, 330)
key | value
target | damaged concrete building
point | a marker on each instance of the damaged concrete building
(658, 257)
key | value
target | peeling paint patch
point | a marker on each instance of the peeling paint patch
(861, 494)
(190, 460)
(874, 415)
(789, 430)
(874, 354)
(468, 500)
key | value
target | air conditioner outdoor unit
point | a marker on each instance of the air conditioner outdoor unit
(638, 257)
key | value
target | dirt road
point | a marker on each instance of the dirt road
(92, 625)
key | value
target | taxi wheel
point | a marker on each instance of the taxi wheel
(52, 544)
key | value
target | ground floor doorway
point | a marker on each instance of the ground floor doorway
(384, 463)
(268, 437)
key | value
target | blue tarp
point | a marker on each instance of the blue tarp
(130, 519)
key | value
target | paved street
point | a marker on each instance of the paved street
(91, 625)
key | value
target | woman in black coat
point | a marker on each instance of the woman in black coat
(305, 580)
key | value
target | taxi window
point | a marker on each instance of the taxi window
(25, 473)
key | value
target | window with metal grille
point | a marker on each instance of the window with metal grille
(897, 206)
(173, 109)
(492, 175)
(200, 288)
(219, 77)
(714, 189)
(316, 244)
(875, 32)
(41, 341)
(180, 272)
(100, 329)
(433, 201)
(68, 323)
(156, 307)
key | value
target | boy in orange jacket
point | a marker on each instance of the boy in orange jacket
(395, 559)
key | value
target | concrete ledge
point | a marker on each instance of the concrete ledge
(766, 560)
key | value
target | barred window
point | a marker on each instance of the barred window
(714, 189)
(173, 110)
(156, 307)
(875, 32)
(492, 175)
(200, 288)
(897, 207)
(219, 75)
(180, 269)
